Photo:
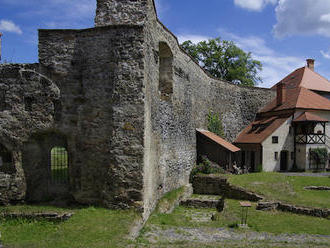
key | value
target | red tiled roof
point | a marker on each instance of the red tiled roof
(307, 78)
(257, 134)
(307, 116)
(301, 98)
(219, 140)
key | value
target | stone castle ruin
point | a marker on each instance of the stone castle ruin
(121, 103)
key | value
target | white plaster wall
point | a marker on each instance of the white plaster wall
(285, 142)
(302, 154)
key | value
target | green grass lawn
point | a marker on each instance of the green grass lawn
(88, 227)
(289, 189)
(260, 221)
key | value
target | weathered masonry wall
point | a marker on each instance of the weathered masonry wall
(100, 74)
(170, 138)
(27, 105)
(124, 101)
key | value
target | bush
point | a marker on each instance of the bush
(259, 168)
(214, 124)
(206, 167)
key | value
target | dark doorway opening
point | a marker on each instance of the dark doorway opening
(253, 161)
(284, 161)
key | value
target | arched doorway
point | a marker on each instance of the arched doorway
(46, 163)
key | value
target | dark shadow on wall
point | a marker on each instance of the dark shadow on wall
(46, 163)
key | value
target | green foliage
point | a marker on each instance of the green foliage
(224, 60)
(259, 168)
(319, 155)
(206, 168)
(214, 124)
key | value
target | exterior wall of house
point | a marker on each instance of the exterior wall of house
(285, 143)
(302, 155)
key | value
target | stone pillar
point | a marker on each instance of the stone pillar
(118, 12)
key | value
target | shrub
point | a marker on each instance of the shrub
(214, 124)
(206, 167)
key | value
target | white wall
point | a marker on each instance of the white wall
(285, 142)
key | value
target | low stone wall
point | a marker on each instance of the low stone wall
(47, 216)
(317, 188)
(219, 185)
(317, 212)
(200, 203)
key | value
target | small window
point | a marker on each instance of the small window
(290, 130)
(292, 155)
(3, 100)
(165, 71)
(276, 155)
(275, 139)
(28, 103)
(6, 158)
(57, 110)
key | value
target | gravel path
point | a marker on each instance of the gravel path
(218, 235)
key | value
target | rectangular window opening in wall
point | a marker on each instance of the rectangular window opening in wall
(28, 101)
(2, 100)
(57, 110)
(276, 155)
(292, 155)
(275, 139)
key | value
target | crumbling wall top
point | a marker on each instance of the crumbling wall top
(114, 12)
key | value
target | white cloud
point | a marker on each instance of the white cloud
(275, 65)
(194, 38)
(9, 26)
(325, 54)
(254, 5)
(303, 17)
(325, 18)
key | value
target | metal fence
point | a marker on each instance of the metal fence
(59, 165)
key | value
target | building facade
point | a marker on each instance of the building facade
(286, 132)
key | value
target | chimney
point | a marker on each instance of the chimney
(310, 64)
(280, 93)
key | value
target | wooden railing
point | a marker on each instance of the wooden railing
(310, 139)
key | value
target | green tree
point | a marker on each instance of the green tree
(224, 60)
(214, 124)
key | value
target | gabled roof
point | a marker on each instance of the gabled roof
(307, 116)
(257, 133)
(299, 98)
(225, 144)
(307, 78)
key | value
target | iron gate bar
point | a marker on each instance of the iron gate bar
(59, 165)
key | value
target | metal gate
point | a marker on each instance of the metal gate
(59, 165)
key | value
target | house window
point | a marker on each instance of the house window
(276, 155)
(275, 139)
(292, 155)
(165, 71)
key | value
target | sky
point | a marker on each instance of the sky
(282, 34)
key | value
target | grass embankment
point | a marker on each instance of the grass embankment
(289, 189)
(260, 221)
(88, 227)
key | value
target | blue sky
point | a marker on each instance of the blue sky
(279, 33)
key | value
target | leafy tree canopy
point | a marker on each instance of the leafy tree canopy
(224, 60)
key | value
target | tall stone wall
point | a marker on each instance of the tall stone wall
(125, 101)
(100, 74)
(170, 126)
